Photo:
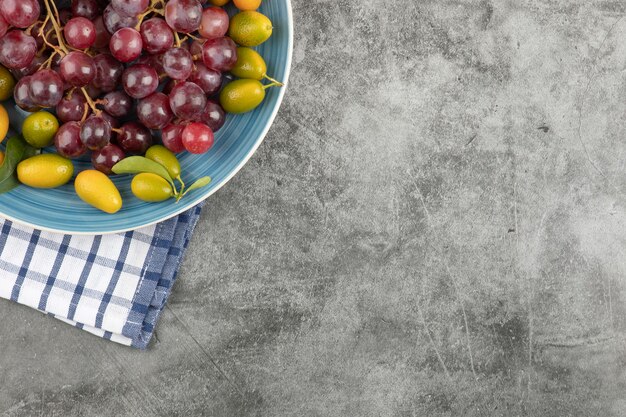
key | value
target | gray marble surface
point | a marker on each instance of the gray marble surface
(434, 226)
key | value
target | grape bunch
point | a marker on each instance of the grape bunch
(117, 72)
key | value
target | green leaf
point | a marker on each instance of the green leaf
(16, 150)
(12, 156)
(9, 184)
(201, 182)
(139, 164)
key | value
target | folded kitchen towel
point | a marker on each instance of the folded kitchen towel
(114, 286)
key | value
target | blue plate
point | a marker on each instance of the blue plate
(61, 210)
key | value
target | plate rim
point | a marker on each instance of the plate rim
(201, 197)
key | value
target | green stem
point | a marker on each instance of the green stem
(274, 82)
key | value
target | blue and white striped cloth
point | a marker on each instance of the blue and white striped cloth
(114, 286)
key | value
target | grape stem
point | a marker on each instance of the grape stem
(85, 113)
(178, 42)
(95, 110)
(48, 61)
(151, 9)
(53, 17)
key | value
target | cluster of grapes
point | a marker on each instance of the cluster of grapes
(167, 57)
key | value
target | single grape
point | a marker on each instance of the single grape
(213, 115)
(130, 7)
(22, 96)
(103, 37)
(156, 35)
(80, 33)
(214, 23)
(118, 104)
(77, 68)
(140, 81)
(197, 138)
(195, 48)
(45, 88)
(134, 138)
(183, 15)
(177, 63)
(67, 140)
(104, 159)
(126, 45)
(171, 135)
(85, 8)
(187, 100)
(64, 16)
(20, 13)
(72, 108)
(95, 132)
(114, 21)
(154, 111)
(209, 80)
(17, 49)
(219, 54)
(108, 72)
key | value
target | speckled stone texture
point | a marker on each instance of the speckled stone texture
(434, 226)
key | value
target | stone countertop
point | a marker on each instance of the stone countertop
(434, 226)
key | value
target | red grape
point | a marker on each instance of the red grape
(214, 23)
(80, 33)
(187, 100)
(213, 115)
(183, 15)
(104, 159)
(71, 108)
(140, 80)
(102, 34)
(209, 80)
(85, 8)
(196, 48)
(156, 35)
(171, 135)
(67, 140)
(126, 44)
(17, 49)
(114, 21)
(108, 72)
(45, 88)
(177, 63)
(95, 133)
(219, 54)
(154, 111)
(22, 96)
(77, 68)
(20, 13)
(118, 104)
(197, 138)
(130, 7)
(134, 138)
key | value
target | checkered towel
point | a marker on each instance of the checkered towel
(114, 286)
